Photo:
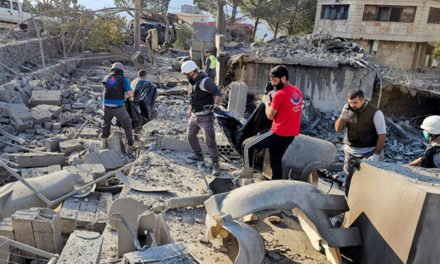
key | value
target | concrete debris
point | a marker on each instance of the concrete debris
(82, 247)
(39, 228)
(51, 119)
(322, 47)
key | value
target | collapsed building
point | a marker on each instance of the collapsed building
(159, 207)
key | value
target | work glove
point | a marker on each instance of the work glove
(345, 111)
(374, 157)
(268, 97)
(131, 99)
(269, 87)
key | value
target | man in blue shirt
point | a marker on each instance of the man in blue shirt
(115, 87)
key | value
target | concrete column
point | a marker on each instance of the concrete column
(221, 62)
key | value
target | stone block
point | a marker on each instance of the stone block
(396, 209)
(69, 146)
(38, 227)
(20, 116)
(82, 247)
(53, 144)
(89, 132)
(44, 113)
(238, 98)
(47, 97)
(170, 253)
(30, 160)
(6, 229)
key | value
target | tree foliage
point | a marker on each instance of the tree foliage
(256, 10)
(160, 6)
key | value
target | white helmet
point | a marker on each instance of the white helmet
(118, 66)
(431, 124)
(188, 66)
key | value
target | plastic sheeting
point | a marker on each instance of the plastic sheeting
(236, 132)
(141, 109)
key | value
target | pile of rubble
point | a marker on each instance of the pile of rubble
(311, 46)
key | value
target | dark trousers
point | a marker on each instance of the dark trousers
(349, 169)
(206, 124)
(277, 146)
(123, 117)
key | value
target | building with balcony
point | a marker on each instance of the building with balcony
(399, 34)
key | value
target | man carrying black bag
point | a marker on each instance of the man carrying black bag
(145, 94)
(115, 87)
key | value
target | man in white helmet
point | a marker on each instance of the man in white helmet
(431, 131)
(205, 97)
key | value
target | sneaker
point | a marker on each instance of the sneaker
(130, 149)
(247, 172)
(215, 169)
(197, 157)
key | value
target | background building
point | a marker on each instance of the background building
(400, 34)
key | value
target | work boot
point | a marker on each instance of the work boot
(215, 168)
(197, 157)
(104, 143)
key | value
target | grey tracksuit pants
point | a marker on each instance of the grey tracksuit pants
(206, 124)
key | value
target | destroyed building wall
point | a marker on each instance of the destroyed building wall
(15, 54)
(326, 86)
(385, 27)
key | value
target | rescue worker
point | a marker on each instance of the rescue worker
(283, 106)
(210, 64)
(431, 132)
(142, 75)
(366, 131)
(205, 97)
(115, 87)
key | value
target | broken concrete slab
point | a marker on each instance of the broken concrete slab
(89, 132)
(180, 145)
(6, 229)
(108, 158)
(171, 253)
(37, 159)
(82, 247)
(395, 207)
(47, 97)
(43, 229)
(69, 146)
(43, 113)
(90, 212)
(19, 116)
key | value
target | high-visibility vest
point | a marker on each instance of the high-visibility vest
(213, 60)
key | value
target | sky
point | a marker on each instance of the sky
(174, 7)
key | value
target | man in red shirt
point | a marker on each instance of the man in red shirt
(284, 108)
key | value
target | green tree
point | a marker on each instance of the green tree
(211, 7)
(300, 17)
(256, 10)
(160, 6)
(437, 52)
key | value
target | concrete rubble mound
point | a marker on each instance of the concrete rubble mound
(311, 46)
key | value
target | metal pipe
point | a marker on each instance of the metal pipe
(30, 249)
(50, 203)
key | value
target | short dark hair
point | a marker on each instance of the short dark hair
(280, 71)
(353, 93)
(208, 50)
(142, 73)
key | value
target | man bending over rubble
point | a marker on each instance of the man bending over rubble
(431, 132)
(115, 87)
(205, 97)
(283, 107)
(366, 131)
